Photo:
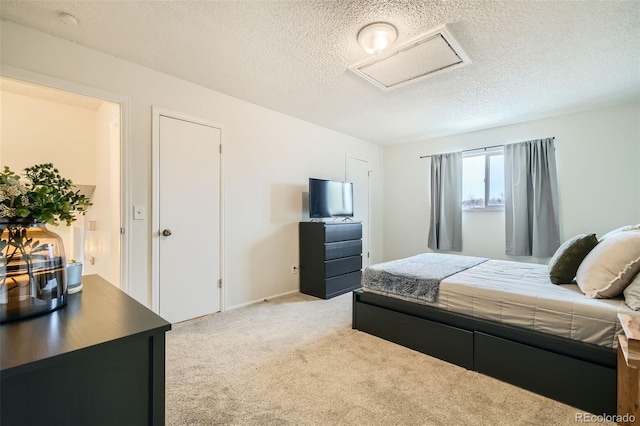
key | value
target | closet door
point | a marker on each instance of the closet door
(189, 219)
(358, 174)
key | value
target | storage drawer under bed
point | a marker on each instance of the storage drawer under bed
(450, 344)
(520, 365)
(586, 385)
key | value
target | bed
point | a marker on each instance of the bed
(501, 318)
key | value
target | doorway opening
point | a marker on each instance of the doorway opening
(81, 136)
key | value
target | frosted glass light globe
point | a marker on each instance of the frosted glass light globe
(376, 37)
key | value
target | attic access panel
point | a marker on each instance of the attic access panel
(427, 55)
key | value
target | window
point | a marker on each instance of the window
(483, 180)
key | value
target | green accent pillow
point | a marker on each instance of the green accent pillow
(566, 260)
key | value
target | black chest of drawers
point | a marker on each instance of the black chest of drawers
(330, 258)
(98, 361)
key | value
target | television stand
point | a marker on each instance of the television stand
(330, 258)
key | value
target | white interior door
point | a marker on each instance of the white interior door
(189, 219)
(358, 174)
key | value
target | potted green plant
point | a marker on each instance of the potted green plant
(33, 275)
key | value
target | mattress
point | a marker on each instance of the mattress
(520, 294)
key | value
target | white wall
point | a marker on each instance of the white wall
(36, 131)
(102, 239)
(267, 160)
(598, 177)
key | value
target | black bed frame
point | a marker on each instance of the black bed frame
(579, 374)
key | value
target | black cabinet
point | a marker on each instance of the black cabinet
(100, 360)
(330, 258)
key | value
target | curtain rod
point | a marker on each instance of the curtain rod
(473, 149)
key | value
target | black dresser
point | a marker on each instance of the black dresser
(330, 258)
(100, 360)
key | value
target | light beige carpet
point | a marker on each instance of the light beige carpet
(295, 360)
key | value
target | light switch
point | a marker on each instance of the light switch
(139, 213)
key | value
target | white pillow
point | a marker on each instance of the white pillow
(610, 266)
(622, 228)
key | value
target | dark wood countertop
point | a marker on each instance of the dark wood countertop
(98, 314)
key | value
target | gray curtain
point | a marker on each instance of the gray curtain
(445, 230)
(531, 192)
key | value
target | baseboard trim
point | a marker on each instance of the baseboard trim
(265, 299)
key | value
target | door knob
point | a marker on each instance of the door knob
(166, 232)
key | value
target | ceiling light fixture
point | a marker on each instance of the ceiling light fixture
(426, 55)
(376, 37)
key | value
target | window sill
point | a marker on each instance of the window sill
(483, 209)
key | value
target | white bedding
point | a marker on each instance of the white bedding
(521, 294)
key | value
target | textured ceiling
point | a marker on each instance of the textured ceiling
(530, 59)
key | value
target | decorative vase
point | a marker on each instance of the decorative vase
(33, 278)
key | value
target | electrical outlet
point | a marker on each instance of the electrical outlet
(294, 269)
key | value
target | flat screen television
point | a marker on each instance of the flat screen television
(330, 199)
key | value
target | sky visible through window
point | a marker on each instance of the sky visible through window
(473, 181)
